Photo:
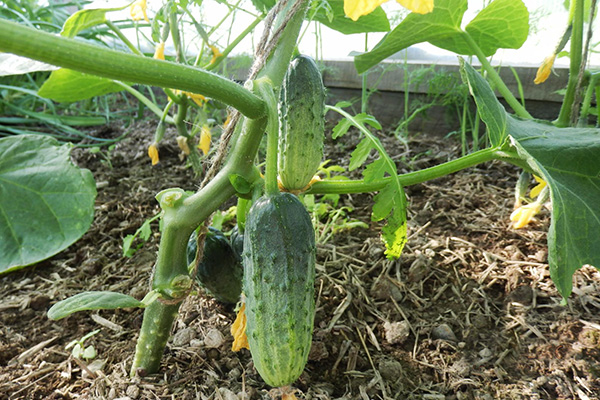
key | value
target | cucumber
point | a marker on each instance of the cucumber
(220, 271)
(302, 123)
(279, 273)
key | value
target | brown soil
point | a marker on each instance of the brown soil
(467, 312)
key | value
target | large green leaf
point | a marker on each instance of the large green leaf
(490, 110)
(502, 24)
(46, 202)
(92, 301)
(331, 14)
(568, 159)
(66, 85)
(84, 19)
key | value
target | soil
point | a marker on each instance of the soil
(468, 311)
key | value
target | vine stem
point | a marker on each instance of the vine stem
(408, 179)
(117, 65)
(265, 88)
(496, 80)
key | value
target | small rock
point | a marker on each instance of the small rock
(485, 353)
(183, 337)
(384, 289)
(132, 391)
(39, 302)
(522, 294)
(396, 332)
(444, 332)
(227, 394)
(390, 370)
(214, 338)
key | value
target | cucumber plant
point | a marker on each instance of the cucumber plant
(278, 237)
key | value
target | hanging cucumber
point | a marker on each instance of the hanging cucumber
(279, 273)
(302, 123)
(220, 271)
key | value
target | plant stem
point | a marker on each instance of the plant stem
(144, 100)
(575, 55)
(411, 178)
(234, 43)
(123, 38)
(496, 80)
(112, 64)
(266, 90)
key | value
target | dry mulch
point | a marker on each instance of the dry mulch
(467, 312)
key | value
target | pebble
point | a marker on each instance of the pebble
(227, 394)
(183, 337)
(132, 391)
(444, 332)
(214, 338)
(396, 332)
(390, 370)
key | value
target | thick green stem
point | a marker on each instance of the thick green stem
(112, 64)
(411, 178)
(575, 55)
(265, 88)
(496, 80)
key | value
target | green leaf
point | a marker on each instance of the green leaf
(394, 233)
(384, 202)
(331, 14)
(84, 19)
(502, 24)
(568, 160)
(490, 110)
(341, 128)
(360, 154)
(92, 301)
(263, 5)
(375, 171)
(46, 202)
(240, 184)
(66, 85)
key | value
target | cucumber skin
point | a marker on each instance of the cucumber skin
(279, 274)
(301, 123)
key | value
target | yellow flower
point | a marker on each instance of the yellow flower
(238, 331)
(183, 145)
(159, 52)
(535, 192)
(138, 11)
(545, 69)
(153, 153)
(524, 214)
(216, 54)
(227, 120)
(205, 136)
(197, 98)
(357, 8)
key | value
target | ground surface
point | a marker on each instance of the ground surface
(468, 312)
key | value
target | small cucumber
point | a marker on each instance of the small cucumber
(302, 123)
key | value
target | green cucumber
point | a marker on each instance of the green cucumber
(302, 123)
(279, 273)
(220, 271)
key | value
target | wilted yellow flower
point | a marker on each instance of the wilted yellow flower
(153, 153)
(197, 98)
(227, 120)
(545, 69)
(138, 11)
(216, 53)
(205, 137)
(183, 145)
(524, 214)
(159, 52)
(238, 331)
(357, 8)
(535, 192)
